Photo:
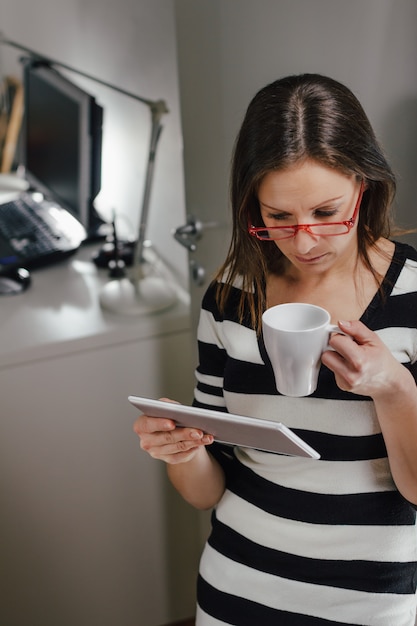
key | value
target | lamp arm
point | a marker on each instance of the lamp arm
(143, 221)
(159, 105)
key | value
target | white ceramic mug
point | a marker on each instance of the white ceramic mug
(295, 336)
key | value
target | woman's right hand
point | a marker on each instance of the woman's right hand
(162, 439)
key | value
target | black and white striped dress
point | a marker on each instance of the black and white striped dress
(301, 542)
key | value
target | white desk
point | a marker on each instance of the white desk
(91, 533)
(60, 312)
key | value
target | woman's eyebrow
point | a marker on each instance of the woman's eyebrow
(319, 205)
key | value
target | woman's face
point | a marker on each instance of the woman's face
(309, 193)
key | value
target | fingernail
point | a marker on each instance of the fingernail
(345, 324)
(195, 435)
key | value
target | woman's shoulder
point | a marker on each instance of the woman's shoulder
(403, 270)
(233, 293)
(391, 258)
(225, 281)
(404, 252)
(235, 282)
(404, 260)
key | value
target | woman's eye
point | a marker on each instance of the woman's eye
(323, 213)
(318, 214)
(279, 217)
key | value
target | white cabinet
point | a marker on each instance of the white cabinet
(91, 532)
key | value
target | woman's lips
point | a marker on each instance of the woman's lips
(310, 260)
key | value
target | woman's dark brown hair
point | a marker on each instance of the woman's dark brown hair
(307, 116)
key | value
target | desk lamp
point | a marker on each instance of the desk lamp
(138, 293)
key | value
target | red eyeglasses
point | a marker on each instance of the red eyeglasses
(321, 229)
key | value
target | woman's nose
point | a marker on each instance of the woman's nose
(304, 241)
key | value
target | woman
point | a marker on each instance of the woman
(298, 541)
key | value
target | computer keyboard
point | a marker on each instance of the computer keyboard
(36, 232)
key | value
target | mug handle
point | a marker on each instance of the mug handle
(333, 328)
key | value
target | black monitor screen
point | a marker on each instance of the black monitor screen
(53, 143)
(62, 140)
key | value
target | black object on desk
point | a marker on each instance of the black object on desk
(109, 252)
(115, 254)
(14, 280)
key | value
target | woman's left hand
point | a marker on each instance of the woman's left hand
(364, 366)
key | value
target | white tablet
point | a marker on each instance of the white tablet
(228, 428)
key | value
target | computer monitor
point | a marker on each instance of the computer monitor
(61, 141)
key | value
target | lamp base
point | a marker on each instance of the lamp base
(149, 295)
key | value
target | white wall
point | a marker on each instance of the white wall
(132, 45)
